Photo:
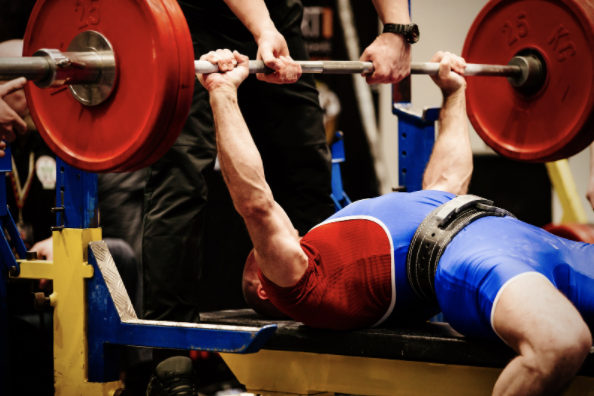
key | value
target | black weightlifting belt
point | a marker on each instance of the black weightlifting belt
(435, 233)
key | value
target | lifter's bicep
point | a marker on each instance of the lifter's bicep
(276, 245)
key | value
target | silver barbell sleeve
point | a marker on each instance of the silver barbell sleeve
(52, 68)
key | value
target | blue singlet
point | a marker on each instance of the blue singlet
(479, 262)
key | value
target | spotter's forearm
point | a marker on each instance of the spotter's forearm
(253, 14)
(392, 11)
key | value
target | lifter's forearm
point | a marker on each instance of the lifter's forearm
(253, 14)
(450, 166)
(238, 156)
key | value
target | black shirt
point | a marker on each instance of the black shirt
(216, 17)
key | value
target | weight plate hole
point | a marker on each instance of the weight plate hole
(534, 72)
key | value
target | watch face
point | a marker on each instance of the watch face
(414, 34)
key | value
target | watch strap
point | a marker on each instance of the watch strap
(405, 29)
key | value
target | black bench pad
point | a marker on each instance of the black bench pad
(425, 342)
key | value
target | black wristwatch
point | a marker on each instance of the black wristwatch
(410, 31)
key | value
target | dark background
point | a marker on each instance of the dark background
(521, 188)
(13, 18)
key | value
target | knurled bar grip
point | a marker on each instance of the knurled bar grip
(352, 67)
(326, 67)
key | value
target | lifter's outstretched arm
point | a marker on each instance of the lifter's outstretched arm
(276, 242)
(450, 166)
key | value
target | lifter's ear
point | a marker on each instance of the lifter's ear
(261, 292)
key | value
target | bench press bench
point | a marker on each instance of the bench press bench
(411, 359)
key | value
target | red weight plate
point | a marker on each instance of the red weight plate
(187, 79)
(106, 137)
(572, 231)
(557, 121)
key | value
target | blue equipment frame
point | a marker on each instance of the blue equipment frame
(338, 195)
(416, 137)
(77, 197)
(78, 192)
(7, 263)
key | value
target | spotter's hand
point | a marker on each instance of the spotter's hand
(234, 69)
(273, 50)
(10, 121)
(451, 69)
(390, 54)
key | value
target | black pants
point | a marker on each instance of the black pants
(286, 124)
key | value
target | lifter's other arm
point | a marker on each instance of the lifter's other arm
(450, 166)
(276, 242)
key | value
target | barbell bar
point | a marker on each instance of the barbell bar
(52, 68)
(356, 67)
(90, 71)
(526, 73)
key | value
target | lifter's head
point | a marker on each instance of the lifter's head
(254, 294)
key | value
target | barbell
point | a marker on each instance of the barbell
(52, 68)
(113, 79)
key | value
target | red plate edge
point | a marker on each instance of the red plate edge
(186, 85)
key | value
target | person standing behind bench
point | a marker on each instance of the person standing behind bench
(289, 133)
